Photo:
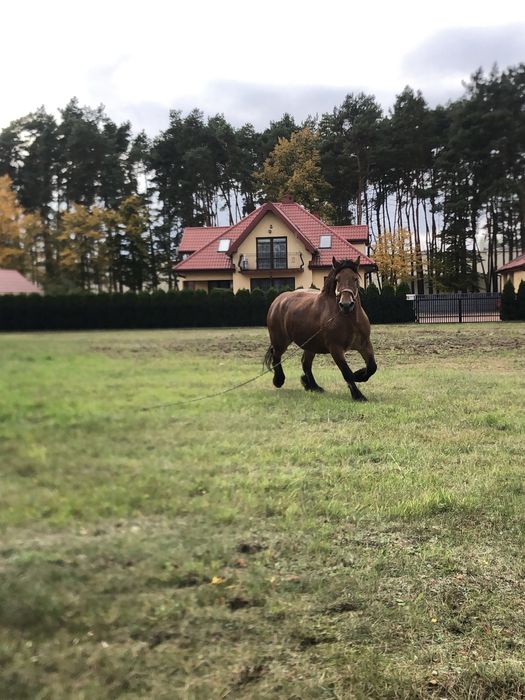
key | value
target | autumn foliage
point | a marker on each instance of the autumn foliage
(394, 257)
(294, 168)
(18, 230)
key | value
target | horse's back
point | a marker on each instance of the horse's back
(291, 300)
(294, 316)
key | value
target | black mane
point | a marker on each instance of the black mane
(329, 285)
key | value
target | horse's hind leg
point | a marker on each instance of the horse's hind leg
(308, 379)
(340, 360)
(278, 372)
(364, 374)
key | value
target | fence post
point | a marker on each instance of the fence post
(415, 301)
(460, 311)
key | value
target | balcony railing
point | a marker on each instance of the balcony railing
(277, 261)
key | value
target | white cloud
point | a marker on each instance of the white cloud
(141, 58)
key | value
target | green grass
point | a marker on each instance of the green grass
(264, 543)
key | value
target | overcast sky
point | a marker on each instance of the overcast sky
(250, 61)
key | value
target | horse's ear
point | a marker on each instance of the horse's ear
(357, 262)
(334, 263)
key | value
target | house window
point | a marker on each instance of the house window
(266, 283)
(272, 253)
(224, 245)
(325, 241)
(219, 284)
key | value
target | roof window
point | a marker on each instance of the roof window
(325, 241)
(224, 245)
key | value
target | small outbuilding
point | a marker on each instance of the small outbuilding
(513, 271)
(13, 282)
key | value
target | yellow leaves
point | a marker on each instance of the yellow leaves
(217, 581)
(81, 234)
(393, 255)
(293, 168)
(14, 223)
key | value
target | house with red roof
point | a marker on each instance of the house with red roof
(279, 245)
(12, 282)
(513, 271)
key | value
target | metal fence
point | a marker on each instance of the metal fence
(456, 308)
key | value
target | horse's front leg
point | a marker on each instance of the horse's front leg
(367, 353)
(308, 379)
(340, 360)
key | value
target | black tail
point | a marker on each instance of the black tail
(268, 358)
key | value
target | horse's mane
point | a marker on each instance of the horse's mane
(330, 284)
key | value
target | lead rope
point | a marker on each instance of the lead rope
(238, 386)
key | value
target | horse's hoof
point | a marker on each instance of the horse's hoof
(278, 382)
(359, 397)
(310, 387)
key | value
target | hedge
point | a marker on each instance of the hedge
(512, 303)
(185, 309)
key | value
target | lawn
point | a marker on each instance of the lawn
(263, 543)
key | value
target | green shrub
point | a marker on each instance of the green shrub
(173, 309)
(520, 299)
(508, 302)
(372, 291)
(402, 290)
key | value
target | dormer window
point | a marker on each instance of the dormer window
(325, 241)
(224, 245)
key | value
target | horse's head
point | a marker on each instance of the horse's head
(346, 283)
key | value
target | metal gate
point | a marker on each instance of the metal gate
(457, 308)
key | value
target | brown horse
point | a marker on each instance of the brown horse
(331, 321)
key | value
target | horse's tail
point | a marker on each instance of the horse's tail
(268, 359)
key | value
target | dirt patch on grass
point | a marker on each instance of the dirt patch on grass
(410, 341)
(228, 344)
(415, 342)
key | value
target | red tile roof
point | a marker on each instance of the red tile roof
(516, 264)
(354, 234)
(307, 227)
(196, 237)
(12, 282)
(208, 257)
(313, 228)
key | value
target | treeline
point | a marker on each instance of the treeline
(104, 208)
(185, 309)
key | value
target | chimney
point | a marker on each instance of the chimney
(287, 199)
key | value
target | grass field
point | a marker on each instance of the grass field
(262, 544)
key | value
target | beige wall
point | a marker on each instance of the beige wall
(201, 278)
(515, 276)
(318, 277)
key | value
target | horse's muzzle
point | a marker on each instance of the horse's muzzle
(347, 308)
